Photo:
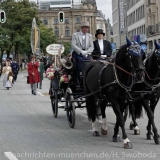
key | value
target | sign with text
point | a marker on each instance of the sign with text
(121, 12)
(55, 49)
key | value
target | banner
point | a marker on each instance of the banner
(35, 38)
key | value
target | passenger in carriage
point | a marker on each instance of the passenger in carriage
(102, 48)
(82, 45)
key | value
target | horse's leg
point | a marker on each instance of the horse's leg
(151, 119)
(149, 129)
(95, 128)
(120, 122)
(92, 113)
(116, 137)
(104, 121)
(135, 125)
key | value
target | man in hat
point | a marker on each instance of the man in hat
(102, 48)
(82, 46)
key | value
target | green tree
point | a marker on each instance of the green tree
(47, 37)
(19, 16)
(67, 48)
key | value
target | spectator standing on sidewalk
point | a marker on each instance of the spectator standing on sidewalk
(33, 74)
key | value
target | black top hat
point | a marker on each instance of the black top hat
(99, 31)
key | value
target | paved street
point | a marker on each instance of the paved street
(29, 131)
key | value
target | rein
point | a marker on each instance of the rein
(113, 64)
(150, 85)
(151, 78)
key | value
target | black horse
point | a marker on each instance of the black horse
(110, 83)
(149, 101)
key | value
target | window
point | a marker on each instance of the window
(150, 45)
(88, 19)
(67, 34)
(55, 20)
(78, 19)
(66, 20)
(45, 21)
(56, 31)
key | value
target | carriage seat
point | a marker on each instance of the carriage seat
(79, 76)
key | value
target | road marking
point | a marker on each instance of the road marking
(40, 93)
(10, 156)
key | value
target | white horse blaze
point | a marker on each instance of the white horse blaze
(104, 123)
(94, 126)
(126, 140)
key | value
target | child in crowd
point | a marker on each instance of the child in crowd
(9, 80)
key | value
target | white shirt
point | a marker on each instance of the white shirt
(83, 35)
(100, 42)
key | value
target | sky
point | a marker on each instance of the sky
(106, 7)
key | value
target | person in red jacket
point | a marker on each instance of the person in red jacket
(33, 74)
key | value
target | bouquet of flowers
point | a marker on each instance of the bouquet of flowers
(50, 73)
(65, 78)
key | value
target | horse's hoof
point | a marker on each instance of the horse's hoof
(157, 140)
(116, 139)
(103, 132)
(137, 132)
(149, 136)
(128, 145)
(131, 127)
(96, 134)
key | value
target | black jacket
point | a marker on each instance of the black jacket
(107, 48)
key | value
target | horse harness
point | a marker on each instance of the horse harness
(116, 81)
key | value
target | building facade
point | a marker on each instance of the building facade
(136, 19)
(119, 15)
(152, 23)
(85, 10)
(116, 22)
(47, 4)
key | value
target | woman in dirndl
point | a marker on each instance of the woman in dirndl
(6, 70)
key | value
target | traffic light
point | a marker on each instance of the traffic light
(61, 17)
(2, 16)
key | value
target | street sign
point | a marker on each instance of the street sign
(55, 49)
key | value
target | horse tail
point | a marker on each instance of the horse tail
(138, 112)
(90, 101)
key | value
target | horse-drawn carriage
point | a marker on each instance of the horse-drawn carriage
(109, 83)
(68, 92)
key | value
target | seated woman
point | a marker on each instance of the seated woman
(102, 48)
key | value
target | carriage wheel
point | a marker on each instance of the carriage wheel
(70, 108)
(54, 103)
